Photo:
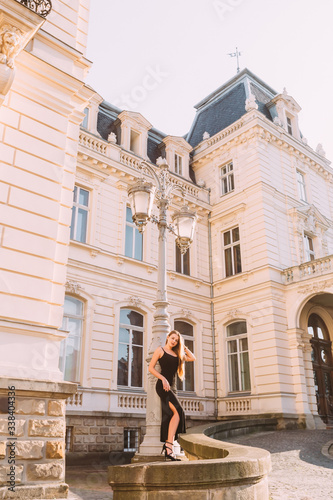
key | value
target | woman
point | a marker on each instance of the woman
(171, 358)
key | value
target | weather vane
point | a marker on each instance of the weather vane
(236, 54)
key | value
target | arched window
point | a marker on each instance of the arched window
(130, 349)
(186, 330)
(70, 349)
(238, 357)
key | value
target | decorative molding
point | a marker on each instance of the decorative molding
(135, 301)
(319, 286)
(73, 287)
(186, 313)
(250, 103)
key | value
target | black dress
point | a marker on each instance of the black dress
(169, 365)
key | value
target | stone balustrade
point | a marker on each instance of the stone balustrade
(215, 469)
(313, 268)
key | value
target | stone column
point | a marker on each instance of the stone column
(32, 438)
(297, 343)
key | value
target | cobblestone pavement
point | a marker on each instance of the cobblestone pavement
(299, 470)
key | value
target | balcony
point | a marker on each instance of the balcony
(40, 7)
(311, 269)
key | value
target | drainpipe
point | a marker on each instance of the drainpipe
(212, 312)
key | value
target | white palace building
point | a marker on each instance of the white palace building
(253, 296)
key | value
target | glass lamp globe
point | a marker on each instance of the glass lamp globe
(141, 197)
(184, 221)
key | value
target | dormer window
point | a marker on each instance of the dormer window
(289, 126)
(178, 164)
(135, 142)
(177, 153)
(134, 132)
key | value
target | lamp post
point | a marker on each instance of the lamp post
(141, 197)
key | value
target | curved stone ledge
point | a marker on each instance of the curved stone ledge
(215, 469)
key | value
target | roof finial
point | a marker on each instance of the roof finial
(236, 54)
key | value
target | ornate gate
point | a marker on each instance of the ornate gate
(322, 364)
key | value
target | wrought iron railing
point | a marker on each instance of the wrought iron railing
(41, 7)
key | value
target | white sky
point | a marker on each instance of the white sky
(162, 58)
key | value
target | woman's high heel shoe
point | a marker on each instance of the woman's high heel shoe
(169, 456)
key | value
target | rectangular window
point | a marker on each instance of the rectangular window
(178, 165)
(182, 261)
(289, 126)
(130, 349)
(131, 439)
(232, 253)
(301, 186)
(69, 439)
(135, 142)
(80, 211)
(133, 238)
(309, 249)
(70, 348)
(227, 178)
(238, 357)
(186, 330)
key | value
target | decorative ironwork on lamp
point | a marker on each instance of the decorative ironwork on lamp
(41, 7)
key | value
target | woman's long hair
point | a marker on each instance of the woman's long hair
(179, 350)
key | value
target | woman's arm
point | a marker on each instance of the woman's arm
(156, 356)
(189, 356)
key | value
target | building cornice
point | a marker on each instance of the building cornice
(253, 127)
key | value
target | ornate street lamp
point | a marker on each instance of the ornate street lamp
(141, 197)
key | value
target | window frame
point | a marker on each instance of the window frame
(289, 124)
(309, 252)
(238, 338)
(85, 121)
(229, 176)
(301, 186)
(136, 439)
(130, 350)
(232, 246)
(178, 159)
(63, 346)
(76, 207)
(135, 235)
(183, 261)
(191, 338)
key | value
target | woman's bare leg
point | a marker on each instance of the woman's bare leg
(174, 421)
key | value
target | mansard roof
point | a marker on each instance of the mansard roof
(226, 105)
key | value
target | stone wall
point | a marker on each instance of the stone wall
(32, 433)
(102, 434)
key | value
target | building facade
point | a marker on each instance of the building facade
(42, 98)
(253, 295)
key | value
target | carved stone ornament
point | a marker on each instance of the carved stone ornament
(234, 313)
(277, 121)
(206, 135)
(18, 25)
(186, 313)
(10, 43)
(135, 301)
(320, 150)
(320, 286)
(73, 287)
(112, 138)
(250, 103)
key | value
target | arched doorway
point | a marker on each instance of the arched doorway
(322, 364)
